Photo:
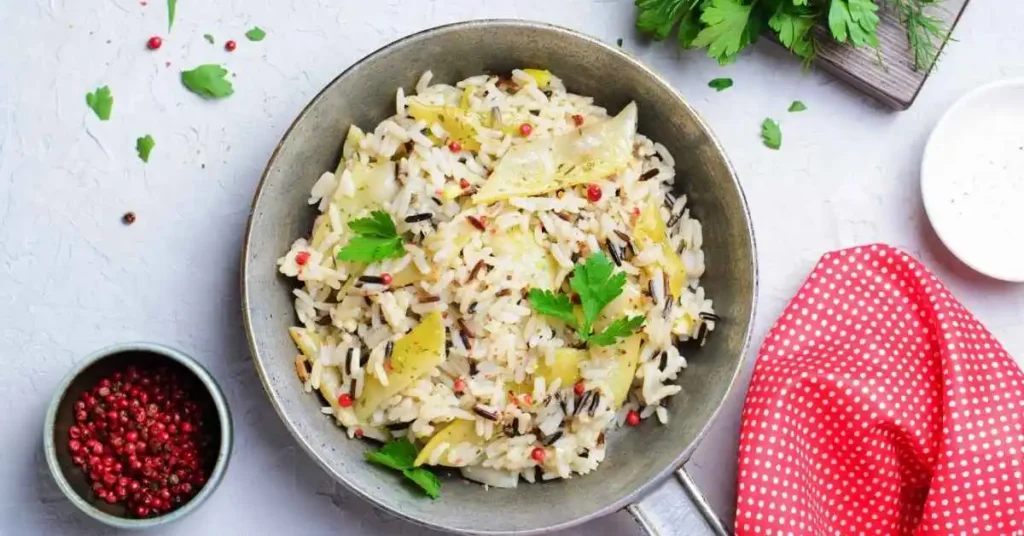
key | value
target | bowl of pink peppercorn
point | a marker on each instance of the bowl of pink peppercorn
(138, 435)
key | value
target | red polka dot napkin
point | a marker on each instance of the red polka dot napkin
(879, 405)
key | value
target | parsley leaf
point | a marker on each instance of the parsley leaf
(597, 287)
(622, 327)
(207, 81)
(376, 239)
(377, 225)
(794, 28)
(144, 146)
(425, 479)
(256, 34)
(797, 106)
(400, 455)
(101, 102)
(209, 38)
(854, 21)
(172, 6)
(771, 134)
(728, 28)
(720, 84)
(548, 303)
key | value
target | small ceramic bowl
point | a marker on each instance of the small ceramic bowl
(60, 417)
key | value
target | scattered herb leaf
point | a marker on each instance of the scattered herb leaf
(144, 146)
(101, 102)
(771, 134)
(720, 84)
(797, 106)
(256, 34)
(172, 6)
(621, 327)
(400, 455)
(207, 81)
(376, 239)
(548, 303)
(597, 285)
(425, 479)
(209, 38)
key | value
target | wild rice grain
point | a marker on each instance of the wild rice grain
(503, 292)
(418, 217)
(476, 222)
(485, 413)
(388, 349)
(663, 361)
(396, 426)
(472, 308)
(614, 251)
(710, 316)
(476, 270)
(437, 201)
(547, 441)
(629, 243)
(649, 174)
(594, 403)
(430, 299)
(372, 279)
(674, 220)
(668, 308)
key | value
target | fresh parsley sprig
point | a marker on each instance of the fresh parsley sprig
(726, 27)
(400, 455)
(597, 285)
(376, 239)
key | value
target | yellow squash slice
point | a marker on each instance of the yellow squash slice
(458, 431)
(520, 248)
(414, 356)
(547, 164)
(650, 229)
(625, 355)
(451, 118)
(565, 367)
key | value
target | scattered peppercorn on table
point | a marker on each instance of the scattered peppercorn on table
(128, 228)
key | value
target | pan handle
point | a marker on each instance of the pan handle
(697, 503)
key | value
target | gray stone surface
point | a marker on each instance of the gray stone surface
(74, 279)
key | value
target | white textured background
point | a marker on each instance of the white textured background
(74, 279)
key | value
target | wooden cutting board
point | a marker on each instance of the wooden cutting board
(893, 80)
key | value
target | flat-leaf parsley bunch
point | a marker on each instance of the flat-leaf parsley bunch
(726, 27)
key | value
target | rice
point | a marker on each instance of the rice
(477, 238)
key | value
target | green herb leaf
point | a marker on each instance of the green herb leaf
(797, 106)
(397, 454)
(208, 81)
(854, 21)
(597, 286)
(793, 26)
(425, 479)
(376, 239)
(144, 146)
(101, 102)
(400, 455)
(367, 250)
(548, 303)
(720, 84)
(622, 327)
(256, 34)
(377, 225)
(172, 6)
(771, 134)
(209, 38)
(729, 28)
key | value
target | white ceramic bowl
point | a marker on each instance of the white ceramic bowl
(972, 179)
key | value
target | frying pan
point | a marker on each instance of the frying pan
(364, 95)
